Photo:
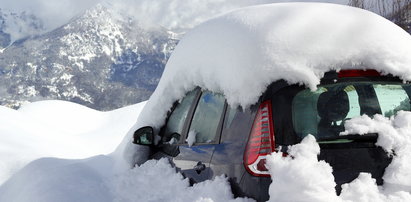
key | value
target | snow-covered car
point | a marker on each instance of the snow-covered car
(259, 79)
(208, 138)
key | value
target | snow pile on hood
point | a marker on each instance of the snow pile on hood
(59, 129)
(239, 54)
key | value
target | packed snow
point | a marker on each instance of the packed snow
(237, 54)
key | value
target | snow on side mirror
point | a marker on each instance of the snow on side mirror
(144, 136)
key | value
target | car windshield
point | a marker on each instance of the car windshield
(323, 112)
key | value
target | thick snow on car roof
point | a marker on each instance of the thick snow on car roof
(240, 53)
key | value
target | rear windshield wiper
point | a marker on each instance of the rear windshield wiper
(369, 137)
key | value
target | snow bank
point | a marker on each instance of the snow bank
(159, 181)
(62, 180)
(95, 180)
(395, 138)
(301, 177)
(239, 54)
(59, 129)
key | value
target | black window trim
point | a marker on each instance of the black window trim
(190, 115)
(187, 124)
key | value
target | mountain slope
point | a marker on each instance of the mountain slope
(100, 59)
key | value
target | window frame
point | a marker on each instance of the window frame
(189, 119)
(284, 139)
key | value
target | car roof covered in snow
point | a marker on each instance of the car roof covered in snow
(240, 53)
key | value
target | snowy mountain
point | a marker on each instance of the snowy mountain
(100, 59)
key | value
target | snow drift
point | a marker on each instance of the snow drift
(59, 129)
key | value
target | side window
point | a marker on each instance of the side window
(207, 118)
(392, 98)
(177, 118)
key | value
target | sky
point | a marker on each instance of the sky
(177, 15)
(53, 13)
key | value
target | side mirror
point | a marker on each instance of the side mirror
(144, 136)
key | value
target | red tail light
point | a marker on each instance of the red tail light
(261, 141)
(358, 73)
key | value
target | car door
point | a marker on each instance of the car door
(198, 119)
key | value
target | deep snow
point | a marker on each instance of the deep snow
(59, 129)
(239, 54)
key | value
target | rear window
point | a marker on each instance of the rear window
(323, 112)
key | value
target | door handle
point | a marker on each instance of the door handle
(199, 167)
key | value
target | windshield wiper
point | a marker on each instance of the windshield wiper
(369, 137)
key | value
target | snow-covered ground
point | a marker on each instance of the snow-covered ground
(59, 129)
(237, 54)
(96, 179)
